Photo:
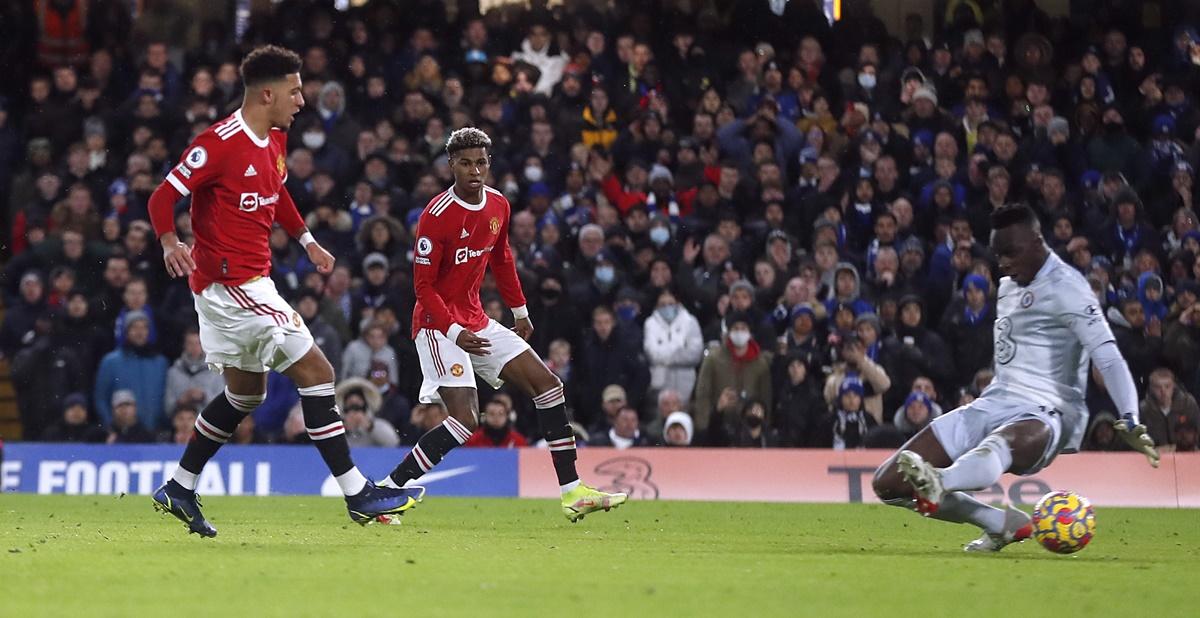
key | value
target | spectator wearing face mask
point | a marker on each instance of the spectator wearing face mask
(737, 363)
(674, 346)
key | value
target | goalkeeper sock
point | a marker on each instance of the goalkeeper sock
(429, 450)
(556, 429)
(214, 426)
(960, 507)
(328, 434)
(979, 467)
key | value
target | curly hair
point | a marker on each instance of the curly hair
(269, 63)
(467, 137)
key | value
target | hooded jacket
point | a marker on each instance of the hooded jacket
(855, 299)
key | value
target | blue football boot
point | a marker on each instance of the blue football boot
(185, 506)
(375, 503)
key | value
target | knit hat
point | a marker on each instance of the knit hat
(975, 281)
(660, 172)
(851, 384)
(925, 92)
(803, 309)
(683, 419)
(1058, 124)
(921, 397)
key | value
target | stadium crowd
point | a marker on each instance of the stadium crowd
(735, 226)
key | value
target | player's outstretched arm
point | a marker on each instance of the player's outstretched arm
(1119, 382)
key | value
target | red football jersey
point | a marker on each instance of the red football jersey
(456, 241)
(235, 180)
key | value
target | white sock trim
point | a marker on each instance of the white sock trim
(569, 486)
(352, 482)
(185, 478)
(208, 430)
(320, 390)
(244, 403)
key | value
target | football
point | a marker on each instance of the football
(1063, 522)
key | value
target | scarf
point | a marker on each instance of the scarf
(751, 353)
(1129, 239)
(974, 317)
(849, 429)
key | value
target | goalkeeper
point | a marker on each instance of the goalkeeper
(1048, 327)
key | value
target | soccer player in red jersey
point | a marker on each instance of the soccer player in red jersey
(234, 172)
(461, 232)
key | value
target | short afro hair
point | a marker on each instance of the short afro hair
(269, 63)
(1015, 214)
(465, 138)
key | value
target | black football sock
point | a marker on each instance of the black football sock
(214, 426)
(328, 434)
(430, 450)
(552, 418)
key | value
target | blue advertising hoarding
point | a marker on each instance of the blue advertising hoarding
(80, 469)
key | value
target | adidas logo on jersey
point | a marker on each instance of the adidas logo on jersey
(250, 171)
(464, 234)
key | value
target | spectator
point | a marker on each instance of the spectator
(746, 427)
(674, 346)
(799, 405)
(371, 347)
(609, 357)
(1166, 407)
(360, 401)
(847, 424)
(183, 424)
(425, 416)
(738, 363)
(496, 429)
(612, 401)
(137, 366)
(1139, 339)
(19, 319)
(74, 425)
(43, 372)
(126, 427)
(190, 371)
(624, 432)
(326, 337)
(967, 328)
(678, 429)
(916, 414)
(914, 350)
(855, 360)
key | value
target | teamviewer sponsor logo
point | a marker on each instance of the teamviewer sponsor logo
(462, 254)
(250, 202)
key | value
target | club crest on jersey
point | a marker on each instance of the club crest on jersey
(1027, 299)
(197, 157)
(494, 226)
(456, 370)
(424, 246)
(280, 165)
(295, 319)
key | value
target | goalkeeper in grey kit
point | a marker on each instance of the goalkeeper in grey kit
(1048, 326)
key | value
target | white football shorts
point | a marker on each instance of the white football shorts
(250, 327)
(443, 363)
(964, 428)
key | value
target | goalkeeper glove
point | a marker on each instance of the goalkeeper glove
(1134, 434)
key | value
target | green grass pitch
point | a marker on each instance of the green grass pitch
(104, 556)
